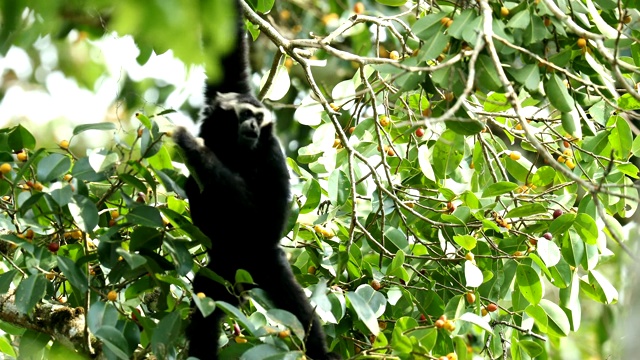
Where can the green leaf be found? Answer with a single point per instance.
(206, 305)
(528, 75)
(599, 288)
(586, 227)
(628, 102)
(84, 213)
(146, 216)
(475, 319)
(434, 47)
(462, 23)
(313, 193)
(20, 138)
(558, 94)
(558, 322)
(103, 126)
(73, 273)
(447, 153)
(571, 123)
(339, 188)
(392, 2)
(562, 223)
(526, 210)
(364, 312)
(375, 300)
(529, 283)
(467, 242)
(487, 76)
(620, 138)
(52, 167)
(6, 280)
(544, 176)
(499, 188)
(236, 314)
(472, 274)
(287, 319)
(114, 340)
(29, 292)
(168, 332)
(133, 260)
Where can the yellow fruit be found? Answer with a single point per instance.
(352, 129)
(626, 19)
(471, 297)
(64, 144)
(484, 312)
(449, 325)
(445, 20)
(394, 55)
(311, 270)
(515, 155)
(390, 152)
(453, 356)
(37, 186)
(50, 275)
(67, 177)
(384, 121)
(22, 156)
(518, 127)
(570, 164)
(329, 18)
(29, 234)
(285, 14)
(112, 295)
(358, 8)
(5, 168)
(547, 21)
(504, 11)
(334, 107)
(439, 323)
(201, 295)
(469, 256)
(582, 42)
(568, 152)
(284, 334)
(561, 159)
(240, 340)
(337, 143)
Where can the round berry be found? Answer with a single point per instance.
(557, 213)
(547, 236)
(53, 247)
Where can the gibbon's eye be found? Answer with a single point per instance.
(245, 114)
(259, 117)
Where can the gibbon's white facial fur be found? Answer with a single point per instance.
(233, 101)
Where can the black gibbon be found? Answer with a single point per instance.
(240, 200)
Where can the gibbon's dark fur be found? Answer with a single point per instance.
(243, 205)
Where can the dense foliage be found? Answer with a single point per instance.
(463, 181)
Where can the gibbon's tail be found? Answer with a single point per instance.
(234, 65)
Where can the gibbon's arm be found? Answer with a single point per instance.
(205, 166)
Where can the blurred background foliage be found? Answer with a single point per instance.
(407, 216)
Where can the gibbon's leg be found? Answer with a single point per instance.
(285, 292)
(203, 333)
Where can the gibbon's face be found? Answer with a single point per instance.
(251, 116)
